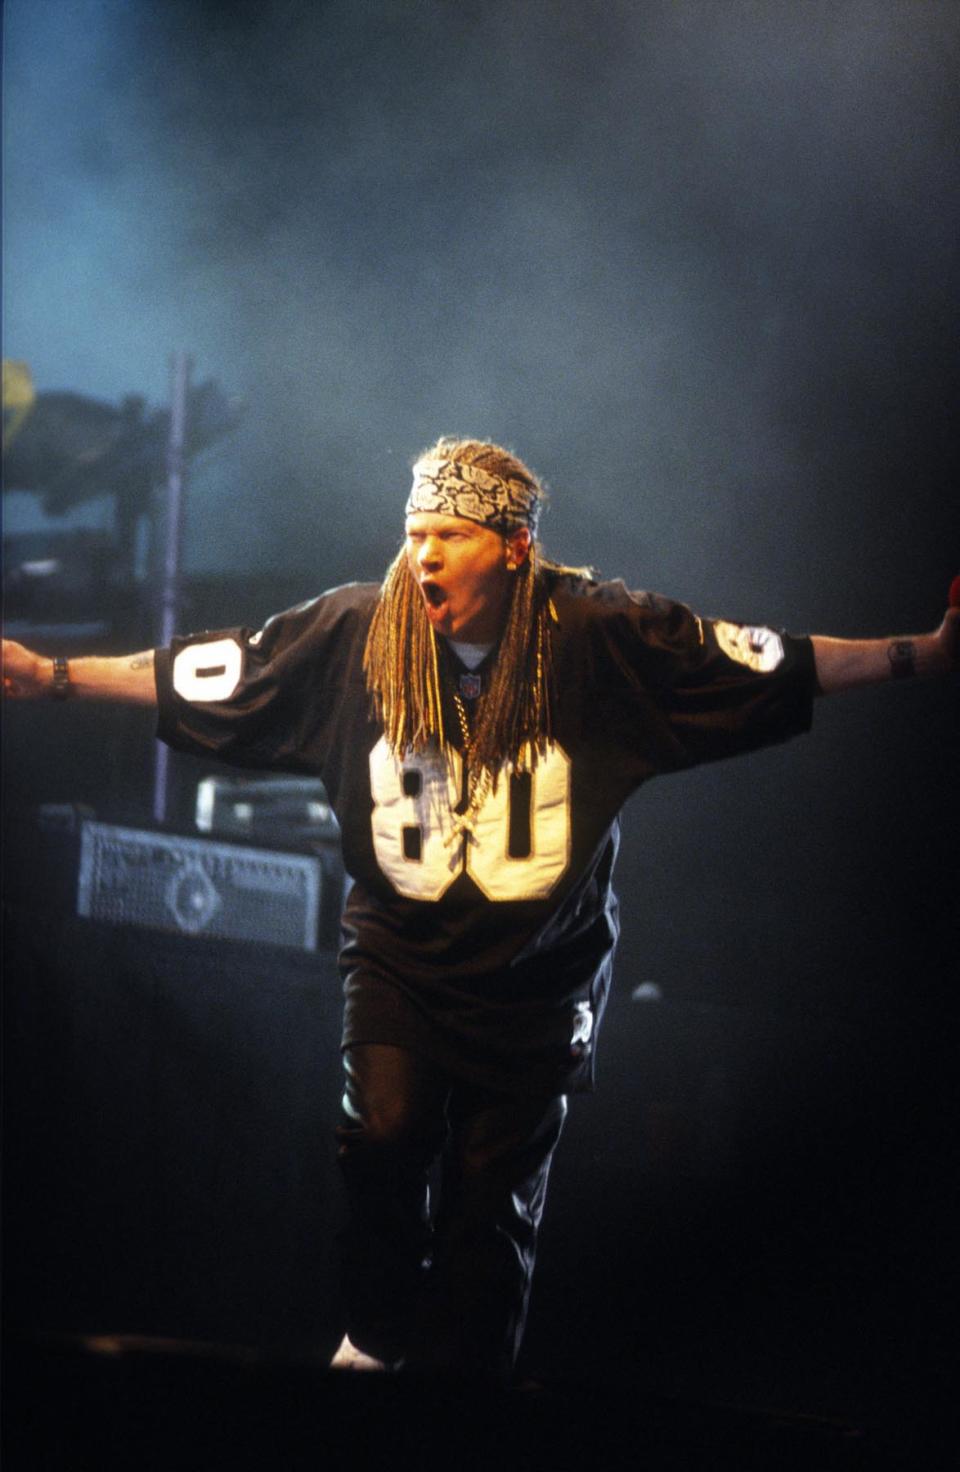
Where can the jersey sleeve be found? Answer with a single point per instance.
(698, 689)
(258, 698)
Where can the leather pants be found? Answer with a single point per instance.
(442, 1290)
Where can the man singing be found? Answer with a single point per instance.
(479, 720)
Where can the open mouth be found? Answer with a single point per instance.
(434, 594)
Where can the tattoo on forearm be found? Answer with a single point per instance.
(142, 661)
(901, 654)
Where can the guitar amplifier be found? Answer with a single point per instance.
(276, 811)
(131, 876)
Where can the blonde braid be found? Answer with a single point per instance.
(401, 664)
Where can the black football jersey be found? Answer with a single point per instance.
(488, 950)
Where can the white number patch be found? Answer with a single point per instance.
(512, 855)
(412, 815)
(490, 863)
(758, 649)
(208, 672)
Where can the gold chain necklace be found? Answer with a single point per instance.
(464, 723)
(478, 782)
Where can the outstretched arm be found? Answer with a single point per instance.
(843, 664)
(127, 678)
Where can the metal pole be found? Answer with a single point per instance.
(170, 570)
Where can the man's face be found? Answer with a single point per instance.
(464, 573)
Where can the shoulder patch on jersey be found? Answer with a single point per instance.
(209, 671)
(757, 648)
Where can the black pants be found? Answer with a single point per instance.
(444, 1290)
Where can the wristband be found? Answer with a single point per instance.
(900, 655)
(61, 677)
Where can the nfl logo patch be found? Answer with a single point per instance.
(470, 686)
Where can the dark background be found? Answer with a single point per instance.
(697, 264)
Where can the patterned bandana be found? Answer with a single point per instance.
(453, 489)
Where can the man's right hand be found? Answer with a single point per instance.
(25, 675)
(127, 678)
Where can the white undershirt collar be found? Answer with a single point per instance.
(471, 655)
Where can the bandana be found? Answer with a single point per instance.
(453, 489)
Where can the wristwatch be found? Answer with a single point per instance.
(61, 677)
